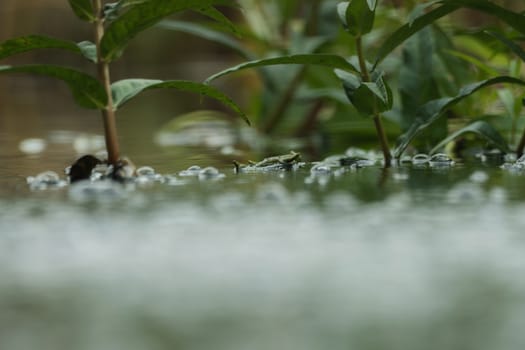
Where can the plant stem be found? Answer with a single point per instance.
(285, 99)
(365, 76)
(108, 113)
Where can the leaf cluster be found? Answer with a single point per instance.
(124, 20)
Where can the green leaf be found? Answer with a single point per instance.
(481, 128)
(88, 50)
(112, 10)
(513, 19)
(357, 16)
(216, 15)
(83, 9)
(34, 42)
(326, 60)
(433, 110)
(124, 90)
(479, 64)
(368, 98)
(87, 91)
(419, 10)
(409, 29)
(204, 32)
(417, 84)
(142, 16)
(509, 43)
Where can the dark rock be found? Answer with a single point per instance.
(82, 168)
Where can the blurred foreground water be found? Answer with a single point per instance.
(416, 257)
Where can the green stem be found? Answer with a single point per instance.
(282, 105)
(380, 130)
(108, 113)
(362, 62)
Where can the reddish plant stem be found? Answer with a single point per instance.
(108, 112)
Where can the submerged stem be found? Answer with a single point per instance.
(365, 76)
(108, 112)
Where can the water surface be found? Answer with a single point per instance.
(408, 258)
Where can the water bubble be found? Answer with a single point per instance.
(193, 170)
(405, 159)
(45, 180)
(320, 169)
(521, 160)
(99, 172)
(420, 159)
(145, 171)
(32, 146)
(510, 157)
(210, 173)
(440, 160)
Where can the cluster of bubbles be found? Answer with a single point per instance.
(516, 166)
(335, 166)
(421, 160)
(203, 174)
(101, 184)
(46, 180)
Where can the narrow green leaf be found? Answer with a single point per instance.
(208, 34)
(513, 19)
(142, 16)
(87, 91)
(481, 128)
(482, 66)
(221, 19)
(34, 42)
(420, 9)
(517, 49)
(83, 9)
(409, 29)
(124, 90)
(433, 110)
(326, 60)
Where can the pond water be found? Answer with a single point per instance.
(414, 257)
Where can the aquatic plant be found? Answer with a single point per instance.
(114, 24)
(288, 104)
(364, 82)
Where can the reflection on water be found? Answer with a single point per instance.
(409, 258)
